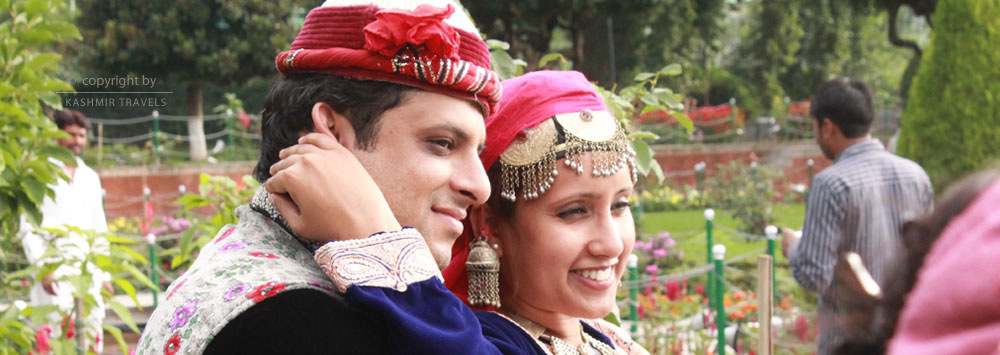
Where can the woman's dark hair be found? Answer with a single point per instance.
(917, 238)
(847, 103)
(68, 118)
(288, 110)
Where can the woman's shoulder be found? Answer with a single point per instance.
(618, 337)
(506, 334)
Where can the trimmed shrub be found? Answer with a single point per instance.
(951, 125)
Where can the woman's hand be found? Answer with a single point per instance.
(324, 193)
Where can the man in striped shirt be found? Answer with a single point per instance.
(858, 204)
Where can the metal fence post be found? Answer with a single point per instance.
(709, 216)
(229, 132)
(720, 313)
(156, 135)
(771, 231)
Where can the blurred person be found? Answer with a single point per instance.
(918, 237)
(77, 202)
(858, 204)
(945, 293)
(545, 254)
(404, 86)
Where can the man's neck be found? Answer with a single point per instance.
(847, 142)
(70, 170)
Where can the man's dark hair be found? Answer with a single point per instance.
(288, 110)
(68, 118)
(847, 103)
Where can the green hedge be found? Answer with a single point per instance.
(951, 125)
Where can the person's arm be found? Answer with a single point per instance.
(813, 257)
(394, 276)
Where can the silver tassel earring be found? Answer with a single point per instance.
(483, 266)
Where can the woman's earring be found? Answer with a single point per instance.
(483, 266)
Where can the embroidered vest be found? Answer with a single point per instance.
(243, 265)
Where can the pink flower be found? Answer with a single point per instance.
(42, 340)
(663, 235)
(652, 269)
(659, 253)
(700, 290)
(395, 28)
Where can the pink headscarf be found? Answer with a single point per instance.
(955, 306)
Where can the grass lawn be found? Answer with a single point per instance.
(688, 229)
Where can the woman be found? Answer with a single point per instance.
(557, 223)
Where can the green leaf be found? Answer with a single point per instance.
(36, 7)
(650, 99)
(650, 108)
(129, 290)
(503, 64)
(643, 156)
(494, 44)
(124, 315)
(138, 257)
(657, 171)
(140, 276)
(684, 120)
(62, 29)
(550, 57)
(644, 76)
(34, 189)
(643, 135)
(43, 60)
(671, 70)
(117, 334)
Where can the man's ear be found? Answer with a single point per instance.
(329, 122)
(482, 219)
(827, 129)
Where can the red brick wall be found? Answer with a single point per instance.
(124, 186)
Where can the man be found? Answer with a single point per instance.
(404, 91)
(858, 204)
(78, 203)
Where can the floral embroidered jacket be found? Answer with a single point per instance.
(248, 270)
(395, 276)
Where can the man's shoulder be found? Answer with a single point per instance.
(243, 266)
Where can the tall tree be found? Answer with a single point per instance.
(770, 47)
(220, 41)
(609, 41)
(952, 120)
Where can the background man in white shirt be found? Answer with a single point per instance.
(77, 203)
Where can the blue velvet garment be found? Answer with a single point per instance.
(428, 319)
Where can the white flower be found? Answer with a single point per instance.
(800, 188)
(20, 305)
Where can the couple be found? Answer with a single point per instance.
(374, 151)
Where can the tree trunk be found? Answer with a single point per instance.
(196, 125)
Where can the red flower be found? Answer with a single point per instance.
(263, 255)
(225, 234)
(394, 28)
(42, 340)
(801, 328)
(173, 345)
(674, 291)
(69, 326)
(266, 290)
(700, 290)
